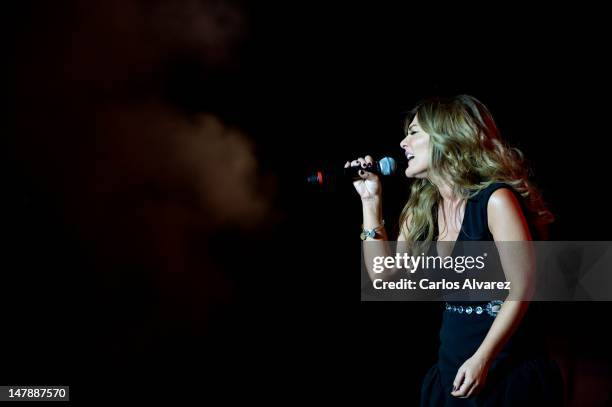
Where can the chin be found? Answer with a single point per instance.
(410, 173)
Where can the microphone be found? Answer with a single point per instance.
(385, 166)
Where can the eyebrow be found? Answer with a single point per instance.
(412, 126)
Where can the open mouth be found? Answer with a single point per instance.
(409, 156)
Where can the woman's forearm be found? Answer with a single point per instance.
(372, 212)
(506, 322)
(518, 262)
(378, 246)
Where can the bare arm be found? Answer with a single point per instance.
(370, 190)
(507, 224)
(372, 217)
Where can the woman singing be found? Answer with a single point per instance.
(469, 185)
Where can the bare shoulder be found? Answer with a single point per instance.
(503, 200)
(506, 220)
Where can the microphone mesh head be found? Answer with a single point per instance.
(387, 166)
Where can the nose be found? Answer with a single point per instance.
(404, 143)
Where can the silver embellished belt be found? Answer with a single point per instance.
(491, 308)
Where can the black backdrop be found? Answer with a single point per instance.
(309, 85)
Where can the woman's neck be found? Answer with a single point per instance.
(446, 192)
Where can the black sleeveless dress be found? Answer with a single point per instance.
(521, 374)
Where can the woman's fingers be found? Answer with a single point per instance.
(472, 389)
(359, 162)
(463, 389)
(466, 389)
(363, 162)
(458, 380)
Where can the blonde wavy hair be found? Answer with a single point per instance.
(468, 152)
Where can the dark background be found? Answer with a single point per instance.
(127, 261)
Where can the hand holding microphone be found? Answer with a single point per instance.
(365, 172)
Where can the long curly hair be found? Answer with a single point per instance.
(467, 151)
